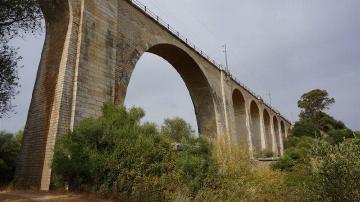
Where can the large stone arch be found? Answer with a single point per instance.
(255, 126)
(241, 131)
(267, 129)
(277, 135)
(192, 75)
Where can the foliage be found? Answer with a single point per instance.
(115, 155)
(317, 124)
(297, 151)
(264, 153)
(335, 171)
(19, 15)
(16, 18)
(357, 134)
(322, 171)
(194, 164)
(237, 178)
(339, 135)
(8, 78)
(314, 102)
(328, 123)
(9, 151)
(329, 129)
(177, 129)
(305, 128)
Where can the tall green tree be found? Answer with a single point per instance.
(313, 103)
(313, 119)
(17, 17)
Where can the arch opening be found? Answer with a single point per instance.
(283, 135)
(195, 81)
(267, 130)
(255, 126)
(277, 134)
(241, 133)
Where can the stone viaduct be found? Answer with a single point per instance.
(90, 51)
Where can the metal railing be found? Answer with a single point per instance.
(186, 41)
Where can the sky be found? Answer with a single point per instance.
(276, 47)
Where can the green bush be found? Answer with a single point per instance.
(337, 136)
(305, 128)
(9, 150)
(297, 152)
(237, 178)
(264, 153)
(357, 134)
(332, 173)
(114, 155)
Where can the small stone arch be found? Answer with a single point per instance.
(255, 126)
(267, 129)
(283, 132)
(239, 106)
(277, 134)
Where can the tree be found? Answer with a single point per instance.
(313, 103)
(17, 17)
(177, 129)
(8, 78)
(9, 151)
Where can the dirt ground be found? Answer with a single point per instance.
(26, 196)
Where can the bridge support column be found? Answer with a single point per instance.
(50, 108)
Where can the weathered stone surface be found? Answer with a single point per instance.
(90, 52)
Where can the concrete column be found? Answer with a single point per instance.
(248, 127)
(274, 146)
(222, 77)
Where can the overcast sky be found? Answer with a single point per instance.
(281, 47)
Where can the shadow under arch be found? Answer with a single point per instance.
(241, 133)
(196, 82)
(255, 126)
(282, 129)
(267, 127)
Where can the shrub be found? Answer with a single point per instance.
(265, 153)
(336, 171)
(305, 128)
(114, 155)
(9, 151)
(357, 134)
(339, 135)
(296, 153)
(236, 177)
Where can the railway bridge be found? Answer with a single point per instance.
(90, 51)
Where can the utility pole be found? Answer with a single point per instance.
(226, 59)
